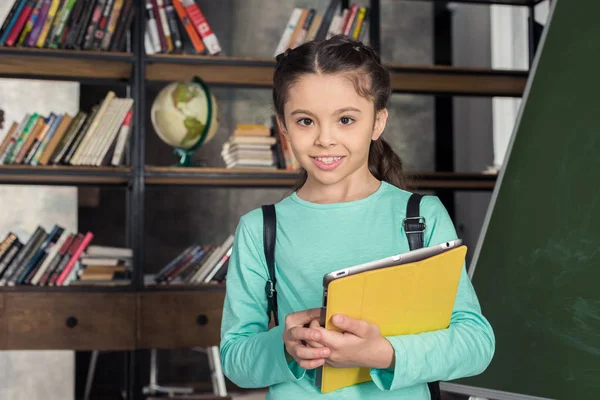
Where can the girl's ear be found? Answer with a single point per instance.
(282, 127)
(380, 121)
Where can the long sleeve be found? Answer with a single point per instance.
(464, 349)
(252, 355)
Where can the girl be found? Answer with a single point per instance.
(330, 98)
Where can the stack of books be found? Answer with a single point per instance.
(59, 258)
(105, 266)
(306, 24)
(251, 146)
(197, 264)
(68, 24)
(98, 137)
(166, 22)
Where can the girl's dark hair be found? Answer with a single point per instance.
(371, 79)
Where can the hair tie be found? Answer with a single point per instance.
(281, 56)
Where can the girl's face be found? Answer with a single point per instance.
(330, 127)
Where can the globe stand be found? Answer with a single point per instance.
(185, 159)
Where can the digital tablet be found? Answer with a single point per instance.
(398, 259)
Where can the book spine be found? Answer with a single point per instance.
(25, 33)
(44, 143)
(172, 20)
(52, 11)
(127, 21)
(48, 122)
(9, 17)
(93, 23)
(72, 25)
(202, 27)
(62, 23)
(102, 25)
(39, 23)
(152, 27)
(165, 25)
(334, 5)
(82, 25)
(70, 139)
(20, 23)
(112, 25)
(76, 254)
(284, 41)
(13, 140)
(10, 157)
(119, 152)
(189, 27)
(11, 255)
(159, 28)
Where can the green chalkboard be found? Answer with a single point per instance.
(536, 269)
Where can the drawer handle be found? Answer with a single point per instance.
(201, 319)
(71, 322)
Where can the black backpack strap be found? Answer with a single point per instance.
(269, 235)
(414, 223)
(414, 226)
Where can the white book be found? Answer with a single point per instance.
(92, 129)
(108, 251)
(111, 135)
(119, 153)
(51, 254)
(103, 128)
(284, 42)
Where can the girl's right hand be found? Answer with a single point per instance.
(299, 330)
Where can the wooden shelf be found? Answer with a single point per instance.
(285, 179)
(252, 72)
(219, 177)
(64, 64)
(63, 175)
(490, 2)
(180, 287)
(452, 180)
(66, 289)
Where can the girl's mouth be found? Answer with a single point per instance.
(327, 163)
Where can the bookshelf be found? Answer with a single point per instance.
(125, 318)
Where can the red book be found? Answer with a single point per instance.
(202, 27)
(76, 254)
(16, 30)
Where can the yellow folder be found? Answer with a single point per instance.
(405, 299)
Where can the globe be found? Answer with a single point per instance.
(185, 116)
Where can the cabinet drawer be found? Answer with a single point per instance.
(181, 319)
(79, 321)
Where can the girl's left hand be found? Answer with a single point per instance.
(360, 344)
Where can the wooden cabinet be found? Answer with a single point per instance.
(180, 319)
(110, 320)
(80, 321)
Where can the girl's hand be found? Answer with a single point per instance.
(296, 335)
(360, 344)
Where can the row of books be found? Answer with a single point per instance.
(306, 24)
(68, 24)
(198, 264)
(258, 146)
(166, 22)
(61, 258)
(98, 137)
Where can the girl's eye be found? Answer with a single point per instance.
(305, 121)
(346, 120)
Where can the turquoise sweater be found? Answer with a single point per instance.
(312, 240)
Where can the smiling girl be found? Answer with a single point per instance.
(348, 208)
